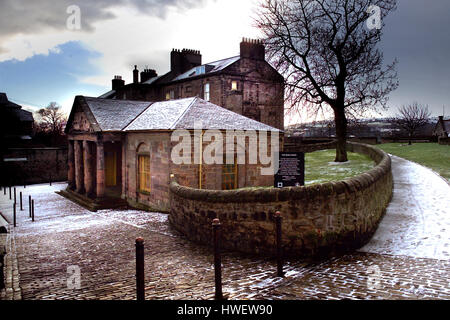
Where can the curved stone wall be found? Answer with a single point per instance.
(319, 219)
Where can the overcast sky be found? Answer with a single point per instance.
(41, 60)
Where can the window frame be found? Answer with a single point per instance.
(141, 174)
(228, 173)
(207, 93)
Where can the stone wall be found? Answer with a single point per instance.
(34, 165)
(159, 147)
(317, 219)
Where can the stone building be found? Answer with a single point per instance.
(442, 128)
(120, 151)
(246, 84)
(16, 124)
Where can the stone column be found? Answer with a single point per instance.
(88, 169)
(124, 161)
(100, 170)
(71, 166)
(79, 171)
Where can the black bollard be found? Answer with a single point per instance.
(140, 281)
(14, 214)
(10, 197)
(32, 210)
(4, 191)
(21, 203)
(278, 220)
(217, 260)
(29, 206)
(15, 195)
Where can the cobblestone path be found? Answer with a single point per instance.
(101, 246)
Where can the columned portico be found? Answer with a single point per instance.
(89, 164)
(71, 166)
(100, 170)
(79, 167)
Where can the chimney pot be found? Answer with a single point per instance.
(135, 74)
(117, 83)
(252, 49)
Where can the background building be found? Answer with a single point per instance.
(246, 84)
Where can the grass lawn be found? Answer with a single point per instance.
(431, 155)
(320, 166)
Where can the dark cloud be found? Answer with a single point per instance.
(417, 34)
(29, 16)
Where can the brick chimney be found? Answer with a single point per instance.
(148, 74)
(117, 82)
(135, 75)
(253, 49)
(183, 60)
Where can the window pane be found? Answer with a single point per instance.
(144, 173)
(206, 96)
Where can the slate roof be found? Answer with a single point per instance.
(108, 95)
(24, 115)
(114, 115)
(214, 117)
(446, 125)
(124, 115)
(15, 109)
(212, 66)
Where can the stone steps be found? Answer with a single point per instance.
(93, 204)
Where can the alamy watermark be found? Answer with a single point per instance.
(374, 21)
(235, 146)
(73, 22)
(74, 278)
(373, 278)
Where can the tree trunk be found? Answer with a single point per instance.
(341, 135)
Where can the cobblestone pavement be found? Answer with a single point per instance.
(101, 246)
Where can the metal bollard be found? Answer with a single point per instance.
(10, 197)
(29, 206)
(140, 280)
(15, 195)
(14, 214)
(4, 191)
(217, 259)
(278, 220)
(21, 203)
(32, 210)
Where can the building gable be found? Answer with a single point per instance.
(81, 118)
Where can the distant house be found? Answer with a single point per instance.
(442, 128)
(245, 84)
(16, 124)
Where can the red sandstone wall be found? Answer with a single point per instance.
(317, 219)
(41, 165)
(159, 147)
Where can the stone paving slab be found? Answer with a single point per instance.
(101, 246)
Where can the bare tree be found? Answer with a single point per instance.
(412, 117)
(51, 118)
(328, 56)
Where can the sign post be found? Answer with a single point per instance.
(291, 172)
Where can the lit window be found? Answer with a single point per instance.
(144, 173)
(199, 70)
(170, 95)
(206, 96)
(229, 175)
(234, 86)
